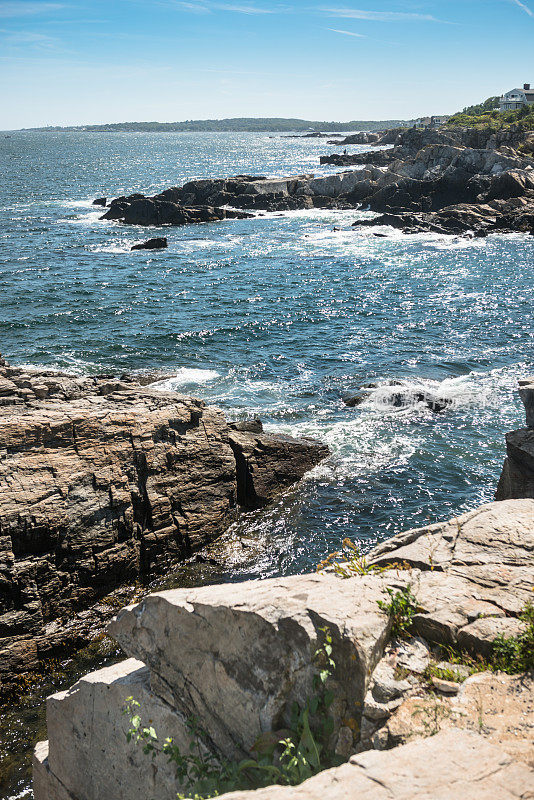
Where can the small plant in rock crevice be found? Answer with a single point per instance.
(401, 607)
(285, 757)
(350, 561)
(431, 715)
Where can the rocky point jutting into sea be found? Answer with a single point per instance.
(107, 481)
(408, 722)
(443, 181)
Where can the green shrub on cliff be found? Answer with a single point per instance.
(402, 607)
(281, 757)
(515, 654)
(486, 116)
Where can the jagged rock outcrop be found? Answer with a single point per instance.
(365, 137)
(427, 175)
(103, 482)
(517, 477)
(237, 656)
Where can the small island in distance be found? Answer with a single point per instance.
(237, 125)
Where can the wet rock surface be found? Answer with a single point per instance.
(105, 482)
(443, 181)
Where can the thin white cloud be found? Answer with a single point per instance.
(381, 16)
(27, 38)
(23, 9)
(207, 7)
(523, 7)
(243, 9)
(346, 33)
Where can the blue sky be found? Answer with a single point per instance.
(88, 61)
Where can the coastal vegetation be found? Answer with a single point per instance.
(487, 115)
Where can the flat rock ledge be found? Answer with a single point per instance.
(237, 656)
(105, 481)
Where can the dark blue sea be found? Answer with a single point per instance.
(278, 317)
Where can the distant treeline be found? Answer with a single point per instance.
(240, 124)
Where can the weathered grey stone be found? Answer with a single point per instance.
(444, 767)
(267, 464)
(237, 656)
(384, 686)
(517, 478)
(526, 393)
(412, 654)
(88, 754)
(477, 565)
(379, 709)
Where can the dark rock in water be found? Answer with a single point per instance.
(157, 243)
(353, 400)
(100, 201)
(248, 426)
(404, 399)
(267, 464)
(517, 479)
(437, 181)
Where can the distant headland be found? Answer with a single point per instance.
(237, 125)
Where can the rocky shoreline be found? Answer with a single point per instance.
(458, 181)
(106, 482)
(415, 714)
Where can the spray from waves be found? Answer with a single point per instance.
(186, 376)
(119, 246)
(384, 432)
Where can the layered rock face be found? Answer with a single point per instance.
(517, 478)
(237, 656)
(103, 482)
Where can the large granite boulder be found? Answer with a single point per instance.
(241, 682)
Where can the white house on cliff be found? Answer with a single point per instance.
(517, 98)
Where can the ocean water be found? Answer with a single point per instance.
(278, 317)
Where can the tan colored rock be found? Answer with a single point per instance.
(450, 765)
(497, 706)
(103, 482)
(445, 687)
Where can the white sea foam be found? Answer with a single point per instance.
(187, 376)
